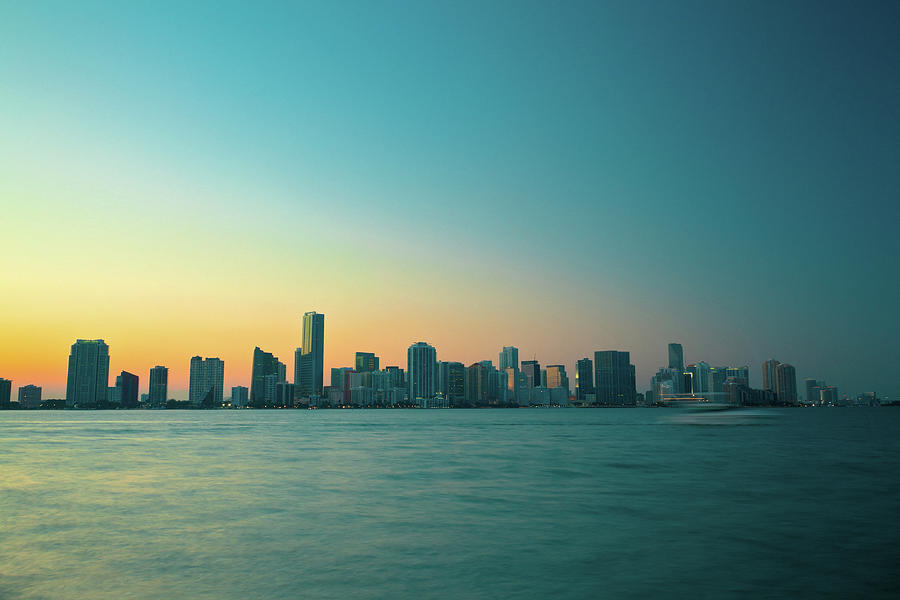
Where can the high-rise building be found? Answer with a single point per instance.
(264, 364)
(29, 396)
(532, 370)
(207, 379)
(614, 378)
(676, 357)
(556, 377)
(298, 372)
(768, 374)
(127, 385)
(397, 375)
(699, 378)
(812, 391)
(828, 396)
(312, 357)
(240, 395)
(5, 392)
(584, 379)
(456, 383)
(509, 358)
(159, 386)
(477, 385)
(365, 361)
(421, 360)
(284, 394)
(88, 376)
(786, 384)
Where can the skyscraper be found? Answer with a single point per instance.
(239, 395)
(786, 384)
(556, 377)
(298, 375)
(159, 386)
(264, 364)
(584, 379)
(207, 378)
(421, 361)
(812, 391)
(676, 357)
(532, 370)
(477, 385)
(29, 396)
(312, 357)
(88, 376)
(365, 361)
(509, 358)
(614, 378)
(768, 374)
(127, 385)
(5, 392)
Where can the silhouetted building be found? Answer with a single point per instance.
(786, 384)
(676, 357)
(265, 364)
(88, 376)
(477, 385)
(29, 396)
(366, 361)
(240, 396)
(159, 386)
(812, 391)
(298, 372)
(421, 360)
(614, 378)
(828, 396)
(127, 385)
(207, 378)
(284, 394)
(5, 392)
(768, 374)
(312, 357)
(532, 370)
(584, 379)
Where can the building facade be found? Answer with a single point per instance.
(88, 376)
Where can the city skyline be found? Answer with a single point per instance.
(179, 180)
(212, 377)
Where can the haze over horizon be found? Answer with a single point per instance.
(189, 178)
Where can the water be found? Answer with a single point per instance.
(448, 504)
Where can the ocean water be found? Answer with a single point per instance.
(549, 503)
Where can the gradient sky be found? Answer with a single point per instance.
(189, 178)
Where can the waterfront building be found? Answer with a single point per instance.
(207, 380)
(5, 392)
(477, 385)
(240, 396)
(786, 384)
(298, 375)
(29, 396)
(88, 376)
(556, 377)
(159, 387)
(128, 389)
(584, 379)
(421, 360)
(615, 378)
(265, 364)
(768, 374)
(312, 357)
(812, 391)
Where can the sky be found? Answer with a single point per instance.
(188, 178)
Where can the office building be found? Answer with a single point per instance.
(768, 374)
(614, 378)
(365, 361)
(207, 380)
(29, 396)
(159, 386)
(298, 374)
(312, 357)
(584, 379)
(532, 370)
(556, 377)
(676, 357)
(421, 360)
(88, 376)
(477, 385)
(509, 358)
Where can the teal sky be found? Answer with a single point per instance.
(600, 175)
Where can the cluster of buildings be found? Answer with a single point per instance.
(606, 379)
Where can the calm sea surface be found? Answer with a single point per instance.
(449, 504)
